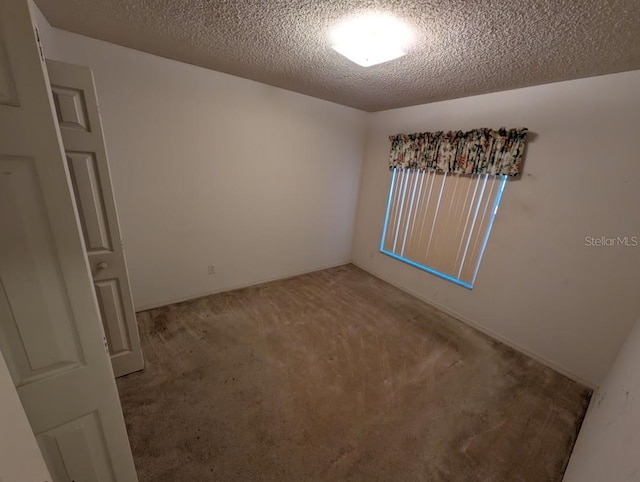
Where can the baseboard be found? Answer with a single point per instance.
(160, 304)
(483, 329)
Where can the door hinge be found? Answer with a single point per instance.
(106, 345)
(39, 44)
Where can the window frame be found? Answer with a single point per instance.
(428, 269)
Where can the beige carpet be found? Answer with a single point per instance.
(336, 375)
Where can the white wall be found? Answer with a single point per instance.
(539, 287)
(608, 446)
(211, 169)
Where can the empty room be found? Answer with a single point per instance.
(319, 241)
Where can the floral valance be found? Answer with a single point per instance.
(480, 151)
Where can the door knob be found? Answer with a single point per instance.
(102, 266)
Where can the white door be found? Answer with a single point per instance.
(50, 330)
(76, 105)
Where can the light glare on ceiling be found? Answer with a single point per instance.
(371, 39)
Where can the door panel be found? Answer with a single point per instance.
(71, 108)
(76, 451)
(8, 94)
(51, 335)
(41, 334)
(77, 112)
(89, 199)
(20, 457)
(113, 316)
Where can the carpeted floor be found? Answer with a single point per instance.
(337, 375)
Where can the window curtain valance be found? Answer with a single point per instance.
(479, 151)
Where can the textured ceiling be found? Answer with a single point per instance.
(462, 47)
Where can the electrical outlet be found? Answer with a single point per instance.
(212, 269)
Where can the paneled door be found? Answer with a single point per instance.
(51, 335)
(78, 116)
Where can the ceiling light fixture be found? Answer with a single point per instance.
(371, 39)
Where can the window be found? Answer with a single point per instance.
(440, 222)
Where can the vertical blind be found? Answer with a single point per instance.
(441, 221)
